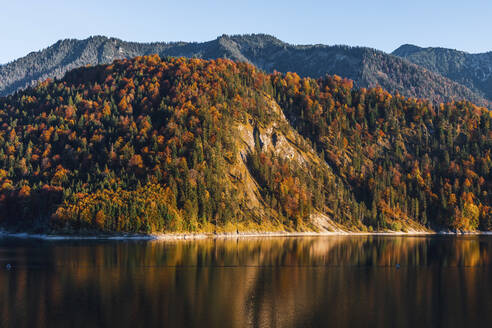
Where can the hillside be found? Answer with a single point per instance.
(471, 70)
(367, 67)
(151, 145)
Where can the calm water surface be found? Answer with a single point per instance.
(269, 282)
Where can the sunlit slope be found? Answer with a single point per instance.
(151, 145)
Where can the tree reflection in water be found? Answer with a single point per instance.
(264, 282)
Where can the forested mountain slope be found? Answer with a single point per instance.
(471, 70)
(151, 145)
(367, 67)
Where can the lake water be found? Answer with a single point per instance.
(441, 281)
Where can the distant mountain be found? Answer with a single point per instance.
(367, 67)
(471, 70)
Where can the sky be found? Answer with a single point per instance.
(31, 25)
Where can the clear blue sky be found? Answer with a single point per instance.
(30, 25)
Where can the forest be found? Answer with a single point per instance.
(150, 145)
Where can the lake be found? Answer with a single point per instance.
(340, 281)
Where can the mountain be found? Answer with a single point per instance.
(472, 70)
(367, 67)
(151, 145)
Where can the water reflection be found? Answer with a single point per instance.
(275, 282)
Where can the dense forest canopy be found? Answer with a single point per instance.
(161, 145)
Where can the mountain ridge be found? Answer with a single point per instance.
(366, 66)
(474, 70)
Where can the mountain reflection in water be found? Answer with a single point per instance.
(353, 281)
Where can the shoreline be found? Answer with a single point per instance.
(245, 235)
